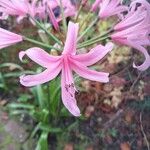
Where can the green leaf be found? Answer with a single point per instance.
(17, 74)
(43, 143)
(18, 112)
(17, 105)
(37, 127)
(40, 96)
(12, 66)
(24, 97)
(39, 93)
(2, 82)
(113, 132)
(50, 129)
(54, 90)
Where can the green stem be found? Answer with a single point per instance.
(84, 19)
(79, 10)
(92, 42)
(40, 43)
(87, 29)
(63, 17)
(98, 37)
(54, 38)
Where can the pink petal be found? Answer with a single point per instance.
(135, 16)
(70, 44)
(146, 63)
(53, 19)
(94, 55)
(8, 38)
(95, 5)
(111, 7)
(14, 7)
(68, 95)
(89, 74)
(40, 57)
(47, 75)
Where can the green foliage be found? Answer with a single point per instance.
(43, 104)
(113, 132)
(2, 82)
(43, 143)
(24, 98)
(142, 105)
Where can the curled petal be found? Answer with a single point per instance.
(94, 55)
(40, 57)
(85, 72)
(45, 76)
(70, 44)
(146, 63)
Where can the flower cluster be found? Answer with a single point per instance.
(132, 29)
(36, 9)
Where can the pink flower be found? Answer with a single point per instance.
(34, 8)
(13, 7)
(8, 38)
(69, 9)
(134, 30)
(66, 64)
(3, 15)
(20, 8)
(54, 11)
(110, 8)
(53, 18)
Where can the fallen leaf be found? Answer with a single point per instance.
(68, 147)
(118, 81)
(108, 87)
(125, 146)
(89, 110)
(128, 117)
(3, 102)
(90, 148)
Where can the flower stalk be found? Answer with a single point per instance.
(87, 29)
(54, 38)
(63, 17)
(107, 33)
(40, 43)
(82, 4)
(88, 43)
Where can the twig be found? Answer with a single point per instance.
(114, 118)
(139, 75)
(142, 130)
(79, 10)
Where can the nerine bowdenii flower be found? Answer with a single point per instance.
(68, 62)
(134, 30)
(20, 8)
(108, 8)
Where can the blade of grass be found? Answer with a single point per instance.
(40, 43)
(54, 38)
(43, 142)
(63, 16)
